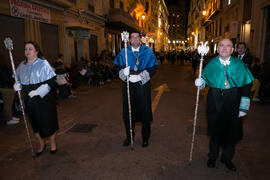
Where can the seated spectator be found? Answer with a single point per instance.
(7, 92)
(255, 70)
(264, 77)
(62, 81)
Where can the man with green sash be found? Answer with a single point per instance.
(228, 100)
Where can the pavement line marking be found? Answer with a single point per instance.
(160, 90)
(63, 132)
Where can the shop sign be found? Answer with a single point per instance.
(22, 9)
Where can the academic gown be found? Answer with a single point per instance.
(140, 94)
(223, 102)
(41, 111)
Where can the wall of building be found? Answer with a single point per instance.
(258, 27)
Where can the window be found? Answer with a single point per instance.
(220, 26)
(227, 28)
(72, 1)
(121, 5)
(91, 7)
(216, 29)
(111, 3)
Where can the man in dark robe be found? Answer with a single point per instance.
(142, 65)
(228, 100)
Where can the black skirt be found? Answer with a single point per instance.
(42, 112)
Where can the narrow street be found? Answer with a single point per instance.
(92, 131)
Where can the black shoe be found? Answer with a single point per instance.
(229, 165)
(126, 142)
(145, 143)
(211, 163)
(53, 151)
(39, 153)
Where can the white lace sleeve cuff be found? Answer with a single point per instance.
(145, 77)
(122, 75)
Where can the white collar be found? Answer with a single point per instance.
(135, 49)
(225, 62)
(242, 55)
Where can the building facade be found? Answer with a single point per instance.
(73, 28)
(81, 28)
(240, 20)
(177, 30)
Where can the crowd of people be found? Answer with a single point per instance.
(96, 71)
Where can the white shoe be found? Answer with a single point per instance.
(72, 96)
(255, 99)
(15, 118)
(12, 122)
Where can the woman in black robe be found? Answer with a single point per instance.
(37, 81)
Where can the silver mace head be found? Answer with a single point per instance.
(125, 36)
(8, 43)
(203, 48)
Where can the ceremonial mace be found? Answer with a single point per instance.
(202, 50)
(9, 45)
(125, 36)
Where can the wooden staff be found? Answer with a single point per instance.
(202, 50)
(125, 36)
(9, 45)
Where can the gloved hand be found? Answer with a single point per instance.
(17, 86)
(33, 93)
(199, 82)
(135, 78)
(244, 106)
(127, 71)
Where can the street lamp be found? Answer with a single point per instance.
(143, 17)
(204, 12)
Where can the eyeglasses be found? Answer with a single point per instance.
(134, 37)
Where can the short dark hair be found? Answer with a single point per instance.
(60, 56)
(139, 32)
(37, 48)
(242, 43)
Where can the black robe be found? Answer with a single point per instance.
(222, 113)
(140, 98)
(42, 112)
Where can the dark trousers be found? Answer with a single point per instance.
(228, 150)
(146, 129)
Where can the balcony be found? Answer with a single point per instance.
(64, 3)
(121, 20)
(215, 8)
(54, 4)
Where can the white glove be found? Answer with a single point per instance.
(127, 71)
(135, 78)
(17, 86)
(33, 93)
(199, 82)
(241, 114)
